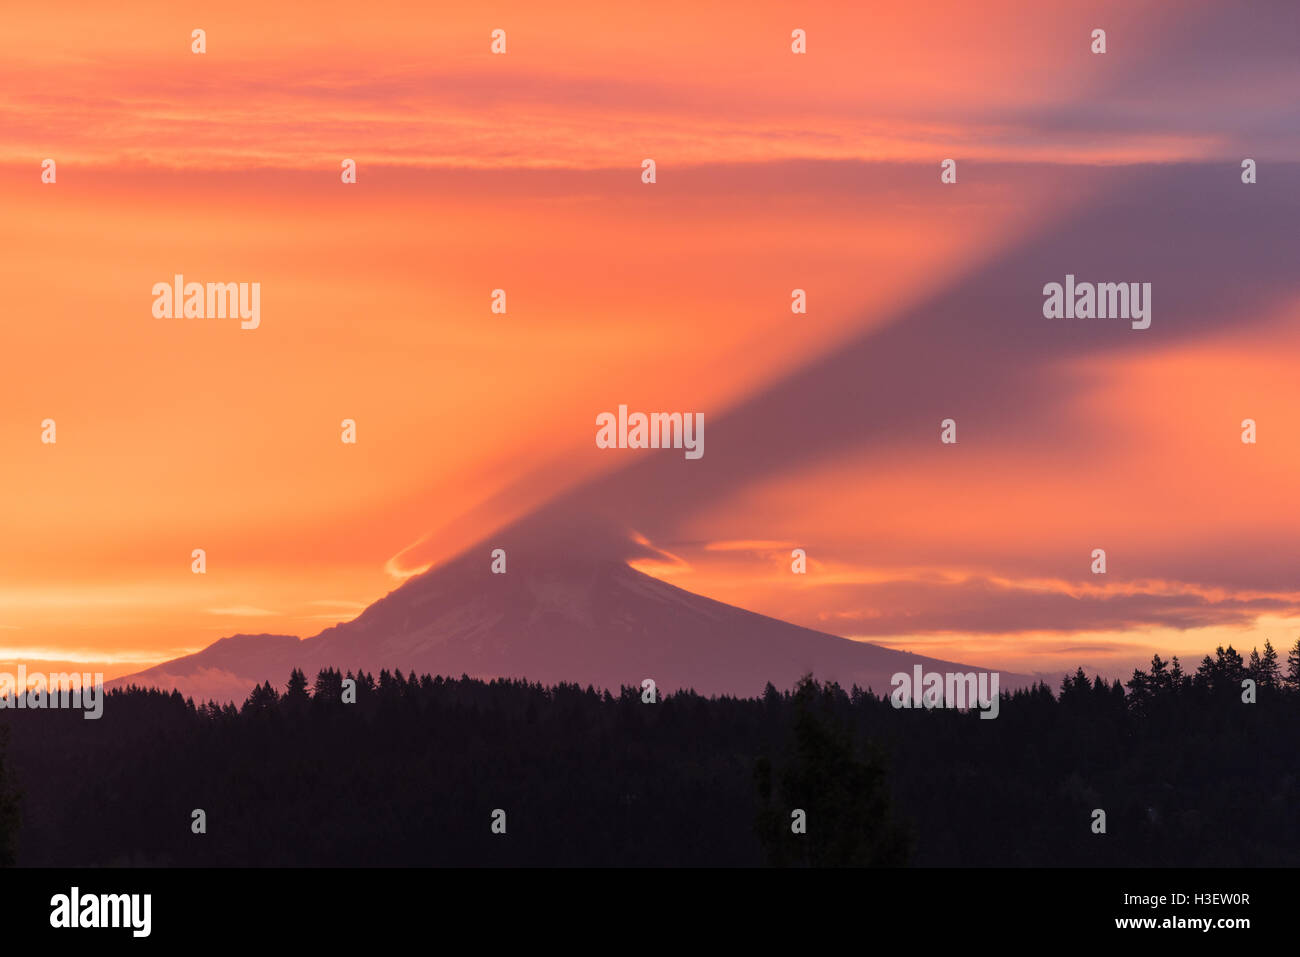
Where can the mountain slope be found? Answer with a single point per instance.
(586, 620)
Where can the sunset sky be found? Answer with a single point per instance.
(775, 171)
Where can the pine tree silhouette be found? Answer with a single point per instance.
(844, 795)
(1292, 680)
(1270, 673)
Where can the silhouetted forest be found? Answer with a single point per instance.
(411, 773)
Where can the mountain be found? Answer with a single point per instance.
(591, 620)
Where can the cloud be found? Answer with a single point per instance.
(1160, 93)
(978, 343)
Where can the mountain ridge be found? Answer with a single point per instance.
(590, 620)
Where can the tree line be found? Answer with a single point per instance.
(1187, 771)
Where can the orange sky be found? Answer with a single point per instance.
(522, 172)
